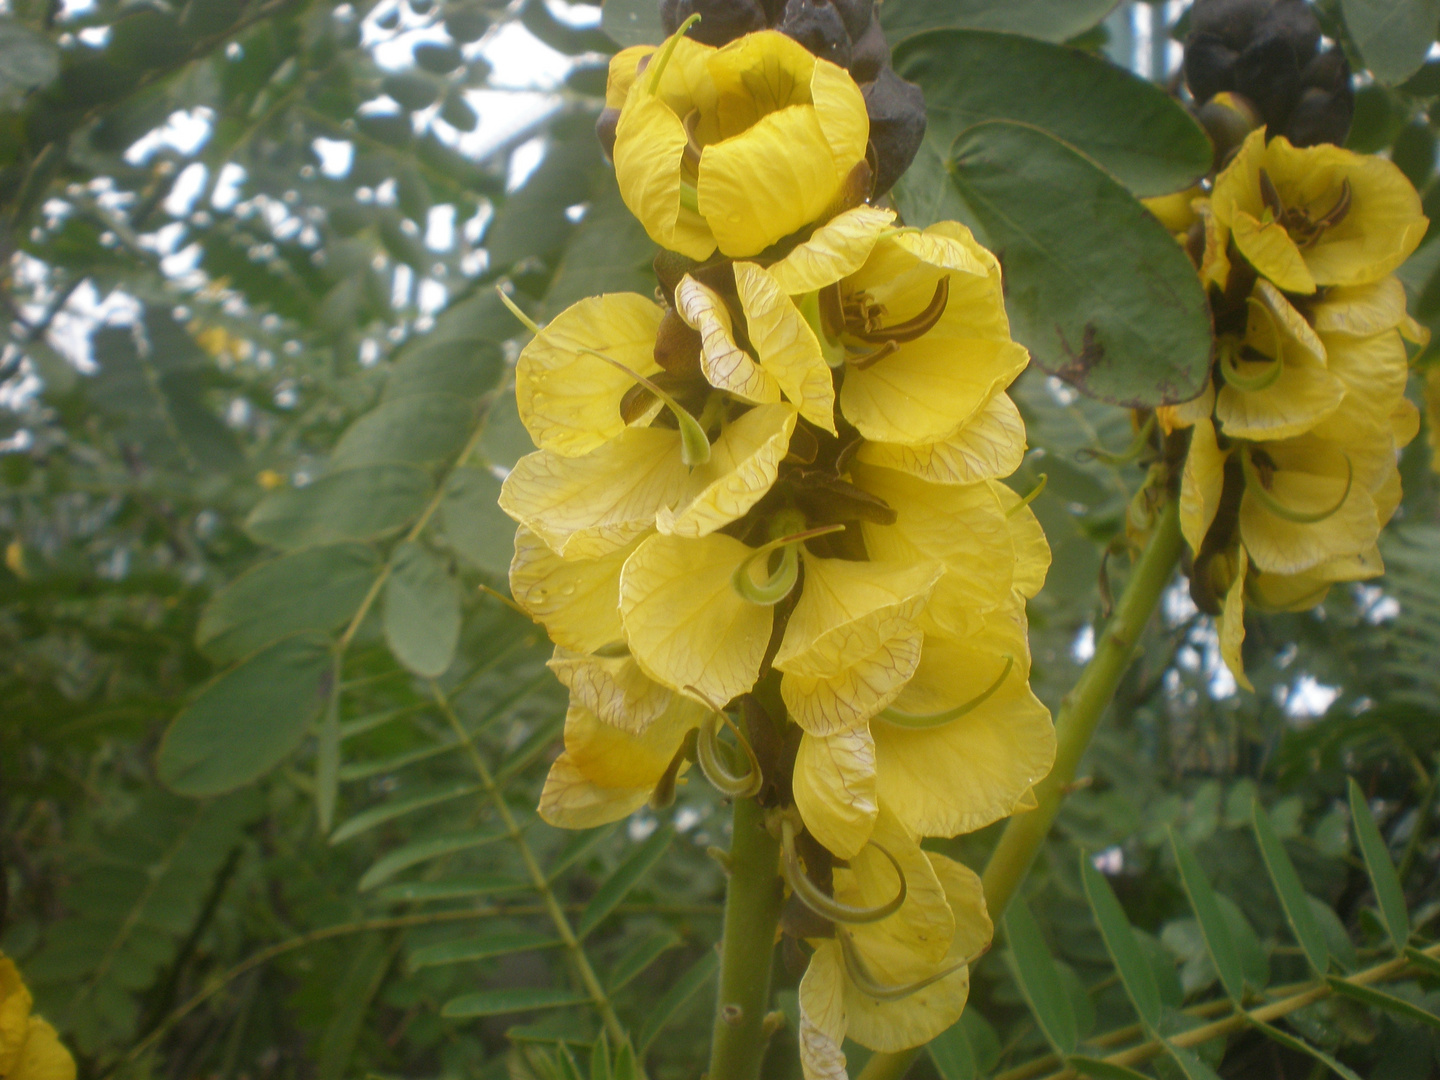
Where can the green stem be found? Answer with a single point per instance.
(1075, 725)
(752, 912)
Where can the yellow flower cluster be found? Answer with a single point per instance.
(770, 503)
(1291, 472)
(29, 1047)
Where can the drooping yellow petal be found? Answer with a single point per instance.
(1270, 250)
(787, 347)
(974, 770)
(991, 444)
(963, 527)
(928, 387)
(725, 365)
(1360, 310)
(43, 1056)
(571, 800)
(913, 942)
(686, 625)
(834, 785)
(744, 462)
(966, 896)
(577, 600)
(834, 251)
(1287, 592)
(956, 670)
(1187, 413)
(1374, 371)
(852, 640)
(650, 143)
(1032, 550)
(569, 400)
(1215, 261)
(822, 1015)
(612, 687)
(621, 73)
(590, 506)
(1231, 625)
(15, 1004)
(1201, 484)
(1175, 211)
(840, 108)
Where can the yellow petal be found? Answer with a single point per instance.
(766, 182)
(1374, 371)
(956, 670)
(571, 800)
(839, 105)
(1287, 592)
(834, 785)
(962, 776)
(966, 896)
(569, 400)
(43, 1057)
(834, 251)
(1310, 477)
(577, 600)
(621, 74)
(1176, 210)
(963, 527)
(649, 151)
(1187, 413)
(726, 366)
(686, 625)
(1231, 625)
(822, 1015)
(590, 506)
(15, 1004)
(1215, 261)
(744, 462)
(1201, 484)
(755, 75)
(1271, 251)
(991, 444)
(612, 687)
(928, 387)
(912, 943)
(851, 641)
(1361, 310)
(1032, 550)
(787, 347)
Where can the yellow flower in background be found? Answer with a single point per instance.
(735, 147)
(1176, 211)
(899, 982)
(1316, 216)
(29, 1047)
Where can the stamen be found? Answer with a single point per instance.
(1129, 454)
(664, 793)
(921, 324)
(1270, 197)
(1340, 210)
(666, 51)
(868, 985)
(1028, 499)
(860, 363)
(832, 310)
(1257, 485)
(692, 147)
(919, 722)
(827, 906)
(709, 753)
(778, 585)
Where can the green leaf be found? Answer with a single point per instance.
(950, 1051)
(1190, 1064)
(624, 878)
(1127, 125)
(247, 720)
(1130, 963)
(1213, 927)
(465, 888)
(28, 61)
(632, 22)
(1383, 878)
(511, 1000)
(702, 973)
(1300, 1046)
(1393, 36)
(475, 527)
(479, 947)
(1097, 290)
(317, 588)
(351, 1000)
(412, 430)
(1039, 979)
(1423, 961)
(1048, 20)
(399, 807)
(1396, 1006)
(639, 957)
(600, 1059)
(353, 504)
(1253, 958)
(1337, 940)
(610, 252)
(1099, 1069)
(327, 755)
(1292, 895)
(422, 611)
(419, 851)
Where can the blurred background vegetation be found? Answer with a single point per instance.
(254, 419)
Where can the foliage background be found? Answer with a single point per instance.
(249, 251)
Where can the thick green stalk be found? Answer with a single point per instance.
(752, 912)
(1075, 725)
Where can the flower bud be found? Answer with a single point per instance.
(818, 26)
(897, 125)
(721, 21)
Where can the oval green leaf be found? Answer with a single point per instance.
(1213, 927)
(1293, 900)
(475, 527)
(317, 588)
(248, 720)
(1388, 893)
(1126, 124)
(1097, 290)
(1393, 36)
(1130, 963)
(511, 1000)
(1048, 20)
(354, 504)
(412, 430)
(422, 611)
(1039, 979)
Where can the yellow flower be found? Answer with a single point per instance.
(29, 1047)
(1175, 211)
(857, 981)
(1274, 380)
(1316, 216)
(1432, 413)
(606, 774)
(736, 147)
